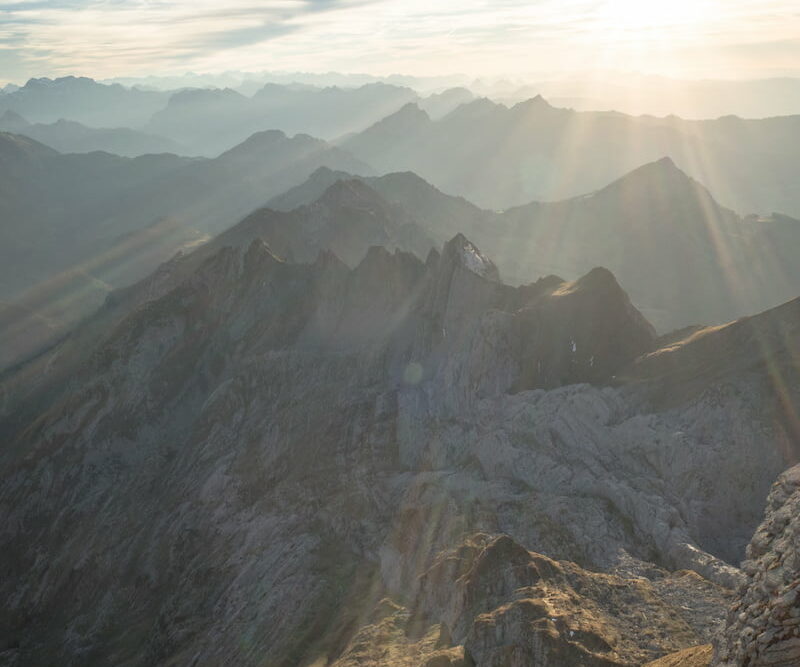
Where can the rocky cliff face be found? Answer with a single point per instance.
(763, 624)
(292, 464)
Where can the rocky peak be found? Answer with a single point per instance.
(511, 606)
(461, 252)
(258, 256)
(581, 331)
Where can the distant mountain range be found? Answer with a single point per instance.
(496, 156)
(67, 136)
(499, 157)
(197, 121)
(211, 121)
(83, 100)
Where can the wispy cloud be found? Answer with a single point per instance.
(482, 37)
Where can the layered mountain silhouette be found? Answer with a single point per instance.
(70, 137)
(210, 121)
(342, 461)
(685, 258)
(688, 259)
(498, 156)
(83, 100)
(68, 112)
(79, 225)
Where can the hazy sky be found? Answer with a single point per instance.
(682, 38)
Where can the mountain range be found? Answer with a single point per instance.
(74, 114)
(249, 459)
(377, 372)
(67, 136)
(79, 225)
(495, 155)
(499, 157)
(84, 100)
(641, 226)
(211, 121)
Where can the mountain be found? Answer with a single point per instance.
(212, 120)
(685, 258)
(54, 205)
(437, 105)
(71, 137)
(83, 100)
(13, 122)
(500, 156)
(348, 219)
(267, 462)
(80, 225)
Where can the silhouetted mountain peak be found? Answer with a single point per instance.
(12, 121)
(269, 140)
(408, 113)
(205, 95)
(474, 110)
(662, 176)
(599, 278)
(352, 193)
(537, 103)
(16, 147)
(63, 81)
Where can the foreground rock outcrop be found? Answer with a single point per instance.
(510, 606)
(763, 625)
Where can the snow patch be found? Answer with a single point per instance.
(474, 261)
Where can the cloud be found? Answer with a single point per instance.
(477, 37)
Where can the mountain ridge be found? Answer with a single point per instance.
(641, 226)
(380, 420)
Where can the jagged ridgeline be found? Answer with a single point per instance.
(303, 443)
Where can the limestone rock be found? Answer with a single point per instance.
(763, 625)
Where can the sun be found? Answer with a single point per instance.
(655, 14)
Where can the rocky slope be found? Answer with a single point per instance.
(302, 463)
(763, 624)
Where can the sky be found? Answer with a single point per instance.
(718, 39)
